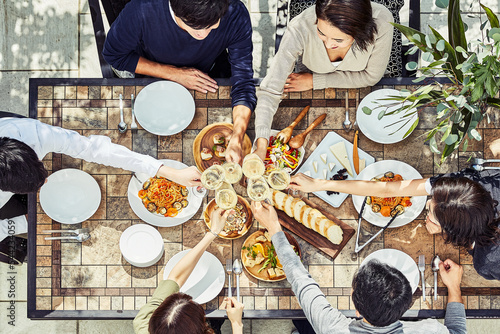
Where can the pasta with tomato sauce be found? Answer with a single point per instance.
(163, 196)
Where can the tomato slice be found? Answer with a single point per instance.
(172, 212)
(142, 193)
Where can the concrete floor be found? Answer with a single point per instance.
(54, 38)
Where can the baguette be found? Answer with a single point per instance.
(307, 216)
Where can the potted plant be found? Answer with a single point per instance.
(472, 69)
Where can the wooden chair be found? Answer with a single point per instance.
(288, 9)
(112, 9)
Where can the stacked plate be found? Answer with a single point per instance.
(141, 245)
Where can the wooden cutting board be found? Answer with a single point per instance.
(314, 238)
(205, 139)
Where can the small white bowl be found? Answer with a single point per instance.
(141, 245)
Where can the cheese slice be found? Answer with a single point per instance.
(340, 153)
(325, 174)
(324, 156)
(331, 165)
(362, 164)
(315, 166)
(308, 173)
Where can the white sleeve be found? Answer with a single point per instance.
(4, 197)
(16, 225)
(428, 186)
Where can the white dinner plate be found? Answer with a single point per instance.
(399, 260)
(164, 108)
(70, 196)
(207, 279)
(378, 169)
(330, 139)
(380, 131)
(156, 219)
(141, 245)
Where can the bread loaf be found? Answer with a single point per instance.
(307, 216)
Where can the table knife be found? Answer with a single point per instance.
(355, 156)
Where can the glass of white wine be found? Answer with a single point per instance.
(253, 165)
(278, 179)
(213, 177)
(257, 188)
(233, 172)
(225, 196)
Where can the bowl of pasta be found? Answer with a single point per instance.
(162, 202)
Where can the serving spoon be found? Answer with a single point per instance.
(285, 134)
(298, 140)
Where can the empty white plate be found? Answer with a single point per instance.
(70, 196)
(141, 245)
(399, 260)
(207, 279)
(164, 108)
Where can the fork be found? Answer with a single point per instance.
(421, 267)
(229, 271)
(133, 125)
(77, 231)
(479, 161)
(347, 125)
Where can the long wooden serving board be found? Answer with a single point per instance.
(314, 238)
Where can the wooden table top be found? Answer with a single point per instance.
(92, 280)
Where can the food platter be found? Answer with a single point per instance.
(164, 108)
(156, 219)
(205, 140)
(380, 130)
(252, 240)
(207, 279)
(330, 139)
(376, 170)
(399, 260)
(70, 196)
(245, 208)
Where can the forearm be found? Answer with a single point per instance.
(154, 69)
(374, 188)
(241, 117)
(454, 295)
(237, 327)
(455, 319)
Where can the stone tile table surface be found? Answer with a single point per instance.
(92, 280)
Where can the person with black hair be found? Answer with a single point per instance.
(380, 293)
(463, 208)
(24, 142)
(169, 311)
(336, 43)
(189, 42)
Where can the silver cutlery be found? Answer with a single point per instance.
(435, 268)
(77, 231)
(347, 125)
(122, 126)
(480, 168)
(421, 267)
(80, 237)
(479, 161)
(237, 271)
(229, 271)
(133, 125)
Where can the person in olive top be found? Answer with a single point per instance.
(170, 311)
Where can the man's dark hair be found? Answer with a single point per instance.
(381, 293)
(352, 17)
(21, 171)
(200, 14)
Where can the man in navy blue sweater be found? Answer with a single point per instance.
(180, 40)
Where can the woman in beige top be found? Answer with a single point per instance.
(344, 43)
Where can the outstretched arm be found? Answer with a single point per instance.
(451, 274)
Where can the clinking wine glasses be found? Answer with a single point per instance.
(253, 166)
(213, 177)
(233, 172)
(278, 179)
(225, 196)
(257, 188)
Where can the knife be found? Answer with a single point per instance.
(355, 156)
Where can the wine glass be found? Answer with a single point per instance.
(253, 165)
(257, 189)
(233, 172)
(213, 177)
(225, 196)
(278, 179)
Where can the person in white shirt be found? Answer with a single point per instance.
(24, 142)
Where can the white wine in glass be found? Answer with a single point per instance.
(226, 197)
(233, 172)
(278, 179)
(212, 177)
(257, 188)
(253, 165)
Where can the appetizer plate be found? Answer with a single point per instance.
(141, 245)
(378, 169)
(263, 275)
(207, 279)
(164, 108)
(330, 139)
(204, 139)
(399, 260)
(156, 219)
(381, 131)
(301, 149)
(232, 235)
(70, 196)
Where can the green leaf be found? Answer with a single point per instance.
(442, 3)
(475, 134)
(428, 57)
(381, 114)
(493, 101)
(491, 17)
(460, 49)
(466, 144)
(433, 146)
(417, 37)
(411, 66)
(410, 130)
(456, 29)
(451, 139)
(419, 79)
(440, 45)
(440, 107)
(367, 110)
